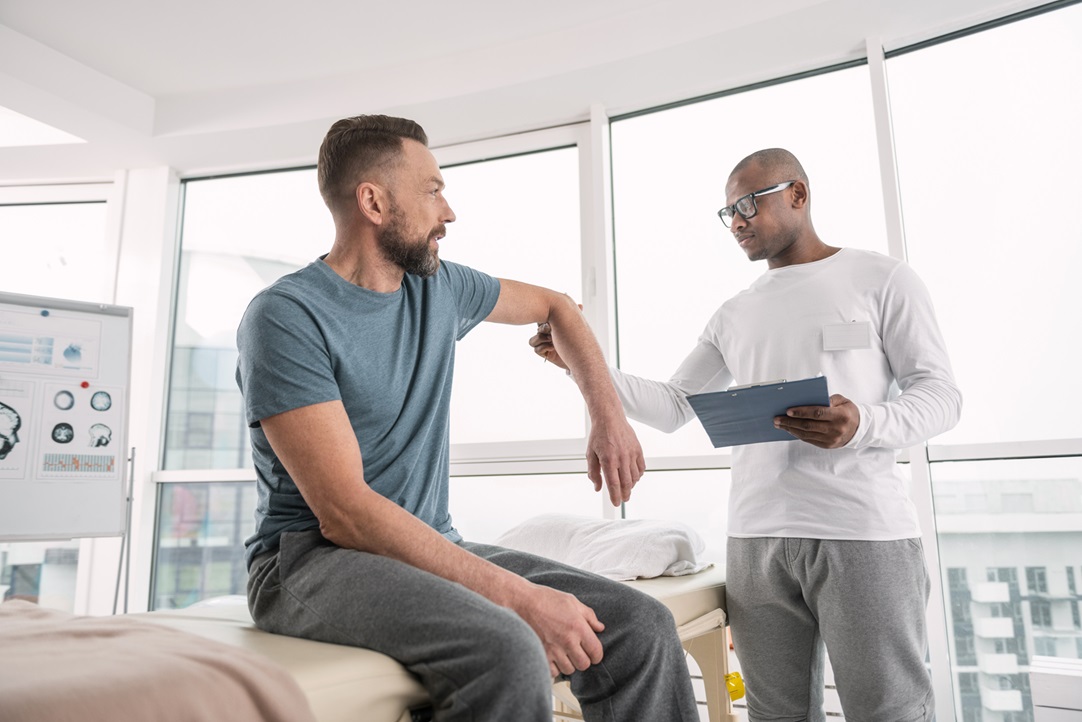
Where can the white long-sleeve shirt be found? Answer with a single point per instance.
(774, 330)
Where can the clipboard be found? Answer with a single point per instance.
(745, 415)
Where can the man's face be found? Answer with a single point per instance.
(9, 427)
(418, 212)
(769, 232)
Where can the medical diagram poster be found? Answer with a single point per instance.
(64, 384)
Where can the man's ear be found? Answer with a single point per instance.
(372, 202)
(800, 194)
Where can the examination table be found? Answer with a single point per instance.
(349, 684)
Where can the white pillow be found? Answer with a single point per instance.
(619, 549)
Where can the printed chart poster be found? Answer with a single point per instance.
(65, 371)
(16, 411)
(78, 436)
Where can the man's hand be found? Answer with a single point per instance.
(614, 456)
(543, 346)
(828, 427)
(567, 628)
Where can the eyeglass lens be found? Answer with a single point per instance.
(745, 206)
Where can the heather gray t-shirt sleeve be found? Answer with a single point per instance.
(284, 363)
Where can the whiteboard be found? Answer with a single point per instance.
(65, 378)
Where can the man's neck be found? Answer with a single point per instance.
(805, 251)
(359, 261)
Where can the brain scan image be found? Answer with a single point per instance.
(63, 400)
(73, 353)
(100, 435)
(10, 422)
(63, 433)
(101, 401)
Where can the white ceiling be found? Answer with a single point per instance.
(212, 85)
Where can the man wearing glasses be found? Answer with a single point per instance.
(824, 550)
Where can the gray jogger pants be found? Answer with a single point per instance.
(864, 601)
(478, 661)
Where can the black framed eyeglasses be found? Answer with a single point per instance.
(746, 206)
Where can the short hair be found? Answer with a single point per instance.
(775, 159)
(354, 148)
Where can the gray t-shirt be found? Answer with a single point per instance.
(313, 337)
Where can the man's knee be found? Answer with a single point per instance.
(515, 655)
(644, 618)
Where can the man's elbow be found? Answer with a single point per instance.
(561, 306)
(956, 406)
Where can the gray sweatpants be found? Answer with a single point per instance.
(478, 661)
(865, 600)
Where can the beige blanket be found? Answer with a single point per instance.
(56, 667)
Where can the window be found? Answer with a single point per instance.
(981, 151)
(200, 541)
(58, 250)
(1041, 613)
(669, 173)
(956, 578)
(517, 218)
(662, 494)
(1044, 646)
(54, 244)
(484, 507)
(964, 650)
(1037, 579)
(1037, 541)
(240, 234)
(968, 682)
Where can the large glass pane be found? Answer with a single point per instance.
(988, 149)
(518, 218)
(40, 572)
(698, 498)
(1010, 549)
(484, 507)
(58, 250)
(239, 235)
(675, 261)
(199, 544)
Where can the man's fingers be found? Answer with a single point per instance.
(627, 481)
(808, 412)
(595, 624)
(593, 470)
(591, 647)
(564, 664)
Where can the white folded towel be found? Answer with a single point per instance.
(619, 549)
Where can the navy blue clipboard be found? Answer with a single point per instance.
(746, 415)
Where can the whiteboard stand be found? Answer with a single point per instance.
(125, 539)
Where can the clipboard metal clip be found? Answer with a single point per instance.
(751, 386)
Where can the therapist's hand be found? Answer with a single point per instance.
(828, 427)
(543, 346)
